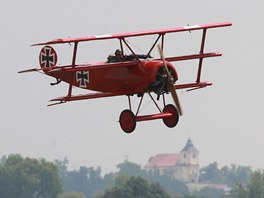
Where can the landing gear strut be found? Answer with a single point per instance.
(128, 119)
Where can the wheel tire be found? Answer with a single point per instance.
(127, 121)
(173, 120)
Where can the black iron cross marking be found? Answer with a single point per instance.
(82, 77)
(48, 58)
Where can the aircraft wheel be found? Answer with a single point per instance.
(173, 120)
(127, 121)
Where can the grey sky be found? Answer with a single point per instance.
(224, 121)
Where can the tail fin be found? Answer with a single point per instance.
(47, 58)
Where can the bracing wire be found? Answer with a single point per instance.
(135, 46)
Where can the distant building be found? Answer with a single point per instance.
(184, 165)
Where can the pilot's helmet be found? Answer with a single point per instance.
(118, 52)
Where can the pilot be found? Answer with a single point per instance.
(118, 57)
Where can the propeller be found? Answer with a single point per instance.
(170, 82)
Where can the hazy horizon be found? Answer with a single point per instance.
(224, 121)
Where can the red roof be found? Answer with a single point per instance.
(163, 160)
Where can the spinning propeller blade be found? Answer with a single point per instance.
(170, 83)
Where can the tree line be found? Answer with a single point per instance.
(38, 178)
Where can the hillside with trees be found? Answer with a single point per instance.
(38, 178)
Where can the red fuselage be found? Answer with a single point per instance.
(133, 78)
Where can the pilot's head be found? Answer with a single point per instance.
(118, 53)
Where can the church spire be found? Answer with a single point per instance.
(189, 146)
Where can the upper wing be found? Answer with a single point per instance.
(135, 34)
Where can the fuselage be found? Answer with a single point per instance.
(134, 78)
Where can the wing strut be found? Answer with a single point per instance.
(201, 59)
(154, 44)
(162, 42)
(73, 66)
(74, 54)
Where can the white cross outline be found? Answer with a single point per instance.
(83, 80)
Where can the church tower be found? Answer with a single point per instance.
(189, 163)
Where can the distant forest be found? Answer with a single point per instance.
(38, 178)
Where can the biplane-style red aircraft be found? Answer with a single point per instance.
(127, 75)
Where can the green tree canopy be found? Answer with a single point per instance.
(254, 188)
(130, 168)
(135, 187)
(26, 177)
(211, 173)
(166, 180)
(238, 190)
(72, 195)
(87, 181)
(256, 185)
(226, 175)
(210, 192)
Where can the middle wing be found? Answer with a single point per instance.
(82, 67)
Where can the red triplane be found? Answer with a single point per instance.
(127, 75)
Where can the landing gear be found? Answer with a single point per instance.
(173, 120)
(128, 119)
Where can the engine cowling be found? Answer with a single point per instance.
(159, 86)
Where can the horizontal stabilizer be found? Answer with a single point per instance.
(29, 70)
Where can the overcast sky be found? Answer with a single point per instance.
(225, 121)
